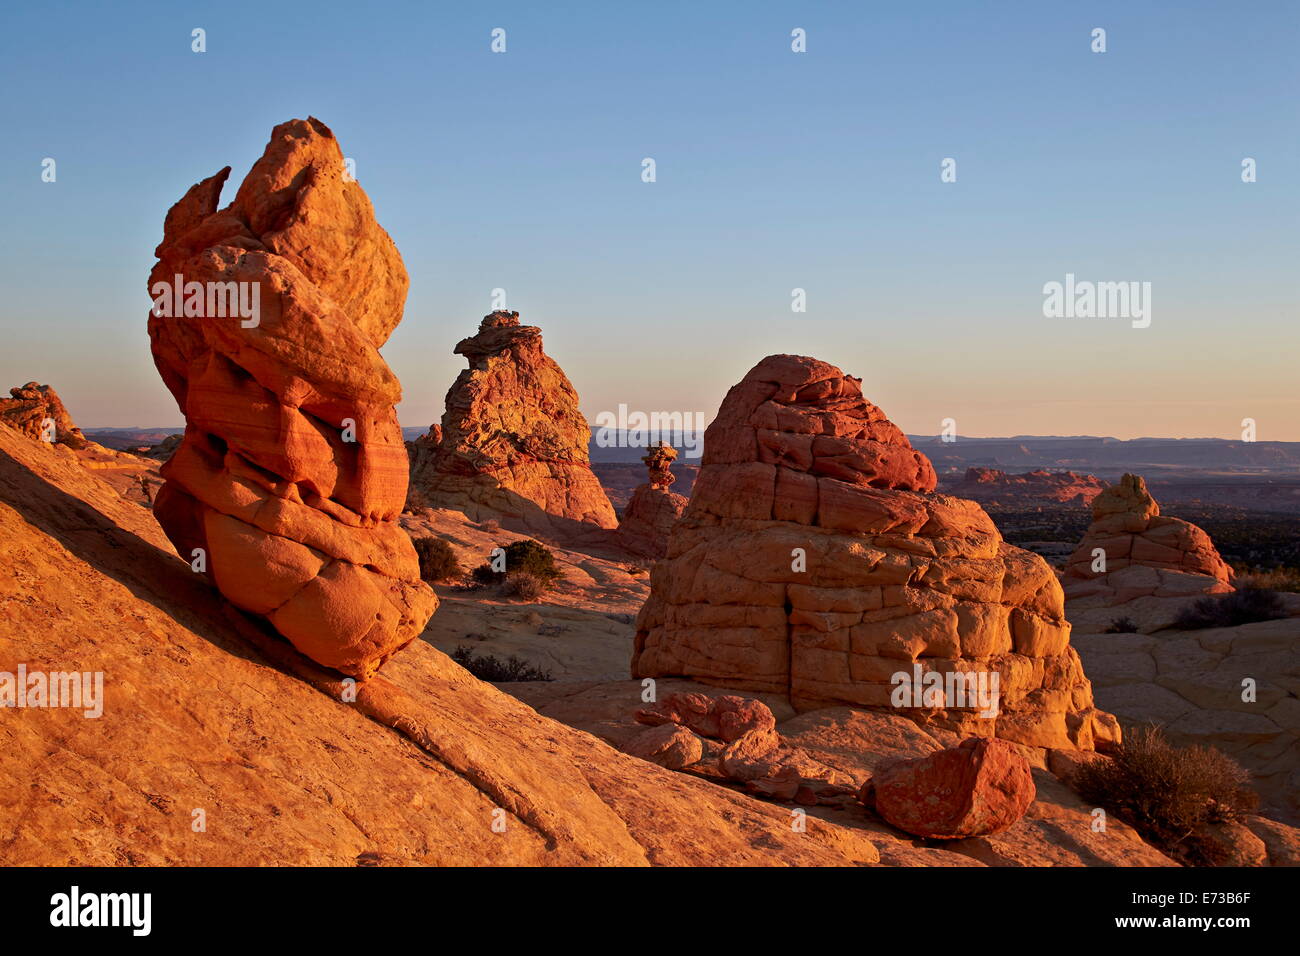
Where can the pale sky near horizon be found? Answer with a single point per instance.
(775, 170)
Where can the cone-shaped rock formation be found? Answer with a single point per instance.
(514, 444)
(1134, 550)
(813, 561)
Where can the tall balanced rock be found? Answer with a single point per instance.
(813, 561)
(653, 509)
(292, 471)
(37, 412)
(1134, 551)
(514, 444)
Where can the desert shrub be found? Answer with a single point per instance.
(437, 560)
(1121, 625)
(1165, 792)
(1274, 579)
(494, 670)
(526, 557)
(524, 585)
(1229, 610)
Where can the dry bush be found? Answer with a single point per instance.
(494, 670)
(438, 561)
(1230, 610)
(1121, 625)
(525, 585)
(1165, 792)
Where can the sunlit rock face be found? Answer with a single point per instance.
(267, 322)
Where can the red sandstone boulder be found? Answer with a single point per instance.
(37, 412)
(292, 470)
(722, 718)
(671, 746)
(813, 561)
(978, 788)
(513, 444)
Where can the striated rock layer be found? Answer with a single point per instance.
(813, 561)
(37, 412)
(514, 445)
(292, 471)
(1145, 553)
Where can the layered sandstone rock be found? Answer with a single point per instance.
(292, 471)
(513, 443)
(653, 509)
(978, 788)
(813, 562)
(37, 412)
(1130, 550)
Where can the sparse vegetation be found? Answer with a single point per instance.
(1273, 579)
(1230, 610)
(1121, 625)
(524, 585)
(494, 670)
(1167, 793)
(438, 561)
(523, 558)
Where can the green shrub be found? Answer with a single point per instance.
(437, 560)
(1121, 625)
(1165, 792)
(494, 670)
(526, 557)
(1230, 610)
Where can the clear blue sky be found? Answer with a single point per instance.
(775, 170)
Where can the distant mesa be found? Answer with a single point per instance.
(292, 471)
(653, 508)
(1130, 550)
(813, 561)
(37, 412)
(513, 446)
(1039, 485)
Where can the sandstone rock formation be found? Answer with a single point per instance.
(1040, 485)
(813, 562)
(292, 470)
(419, 771)
(37, 412)
(653, 509)
(978, 788)
(514, 443)
(1145, 553)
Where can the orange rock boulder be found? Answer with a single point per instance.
(1131, 550)
(814, 562)
(267, 322)
(513, 445)
(976, 789)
